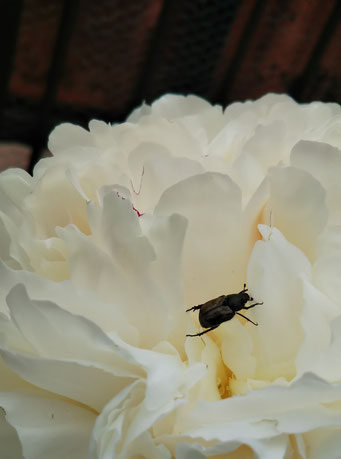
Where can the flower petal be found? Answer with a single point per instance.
(74, 380)
(9, 441)
(122, 422)
(326, 275)
(323, 162)
(154, 170)
(213, 252)
(297, 203)
(275, 270)
(318, 311)
(48, 427)
(120, 263)
(237, 351)
(61, 349)
(303, 405)
(67, 135)
(55, 333)
(172, 106)
(77, 301)
(327, 363)
(272, 448)
(324, 443)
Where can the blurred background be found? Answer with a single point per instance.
(75, 60)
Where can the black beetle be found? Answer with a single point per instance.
(221, 309)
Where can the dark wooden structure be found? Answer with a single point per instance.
(73, 60)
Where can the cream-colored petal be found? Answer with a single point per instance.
(241, 447)
(297, 203)
(329, 242)
(324, 443)
(171, 106)
(275, 272)
(78, 301)
(61, 349)
(55, 333)
(146, 444)
(327, 362)
(257, 155)
(48, 427)
(73, 378)
(135, 409)
(301, 406)
(214, 259)
(47, 204)
(11, 380)
(323, 162)
(120, 264)
(178, 140)
(326, 275)
(317, 314)
(122, 422)
(167, 236)
(10, 446)
(153, 170)
(67, 135)
(15, 185)
(237, 350)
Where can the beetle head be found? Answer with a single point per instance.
(245, 297)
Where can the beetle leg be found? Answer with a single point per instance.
(252, 305)
(254, 323)
(194, 308)
(205, 331)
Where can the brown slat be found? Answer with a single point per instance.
(37, 34)
(188, 47)
(280, 48)
(107, 51)
(230, 49)
(321, 78)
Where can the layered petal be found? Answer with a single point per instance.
(62, 428)
(213, 252)
(129, 225)
(275, 274)
(323, 162)
(297, 203)
(301, 406)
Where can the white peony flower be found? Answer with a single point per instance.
(126, 227)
